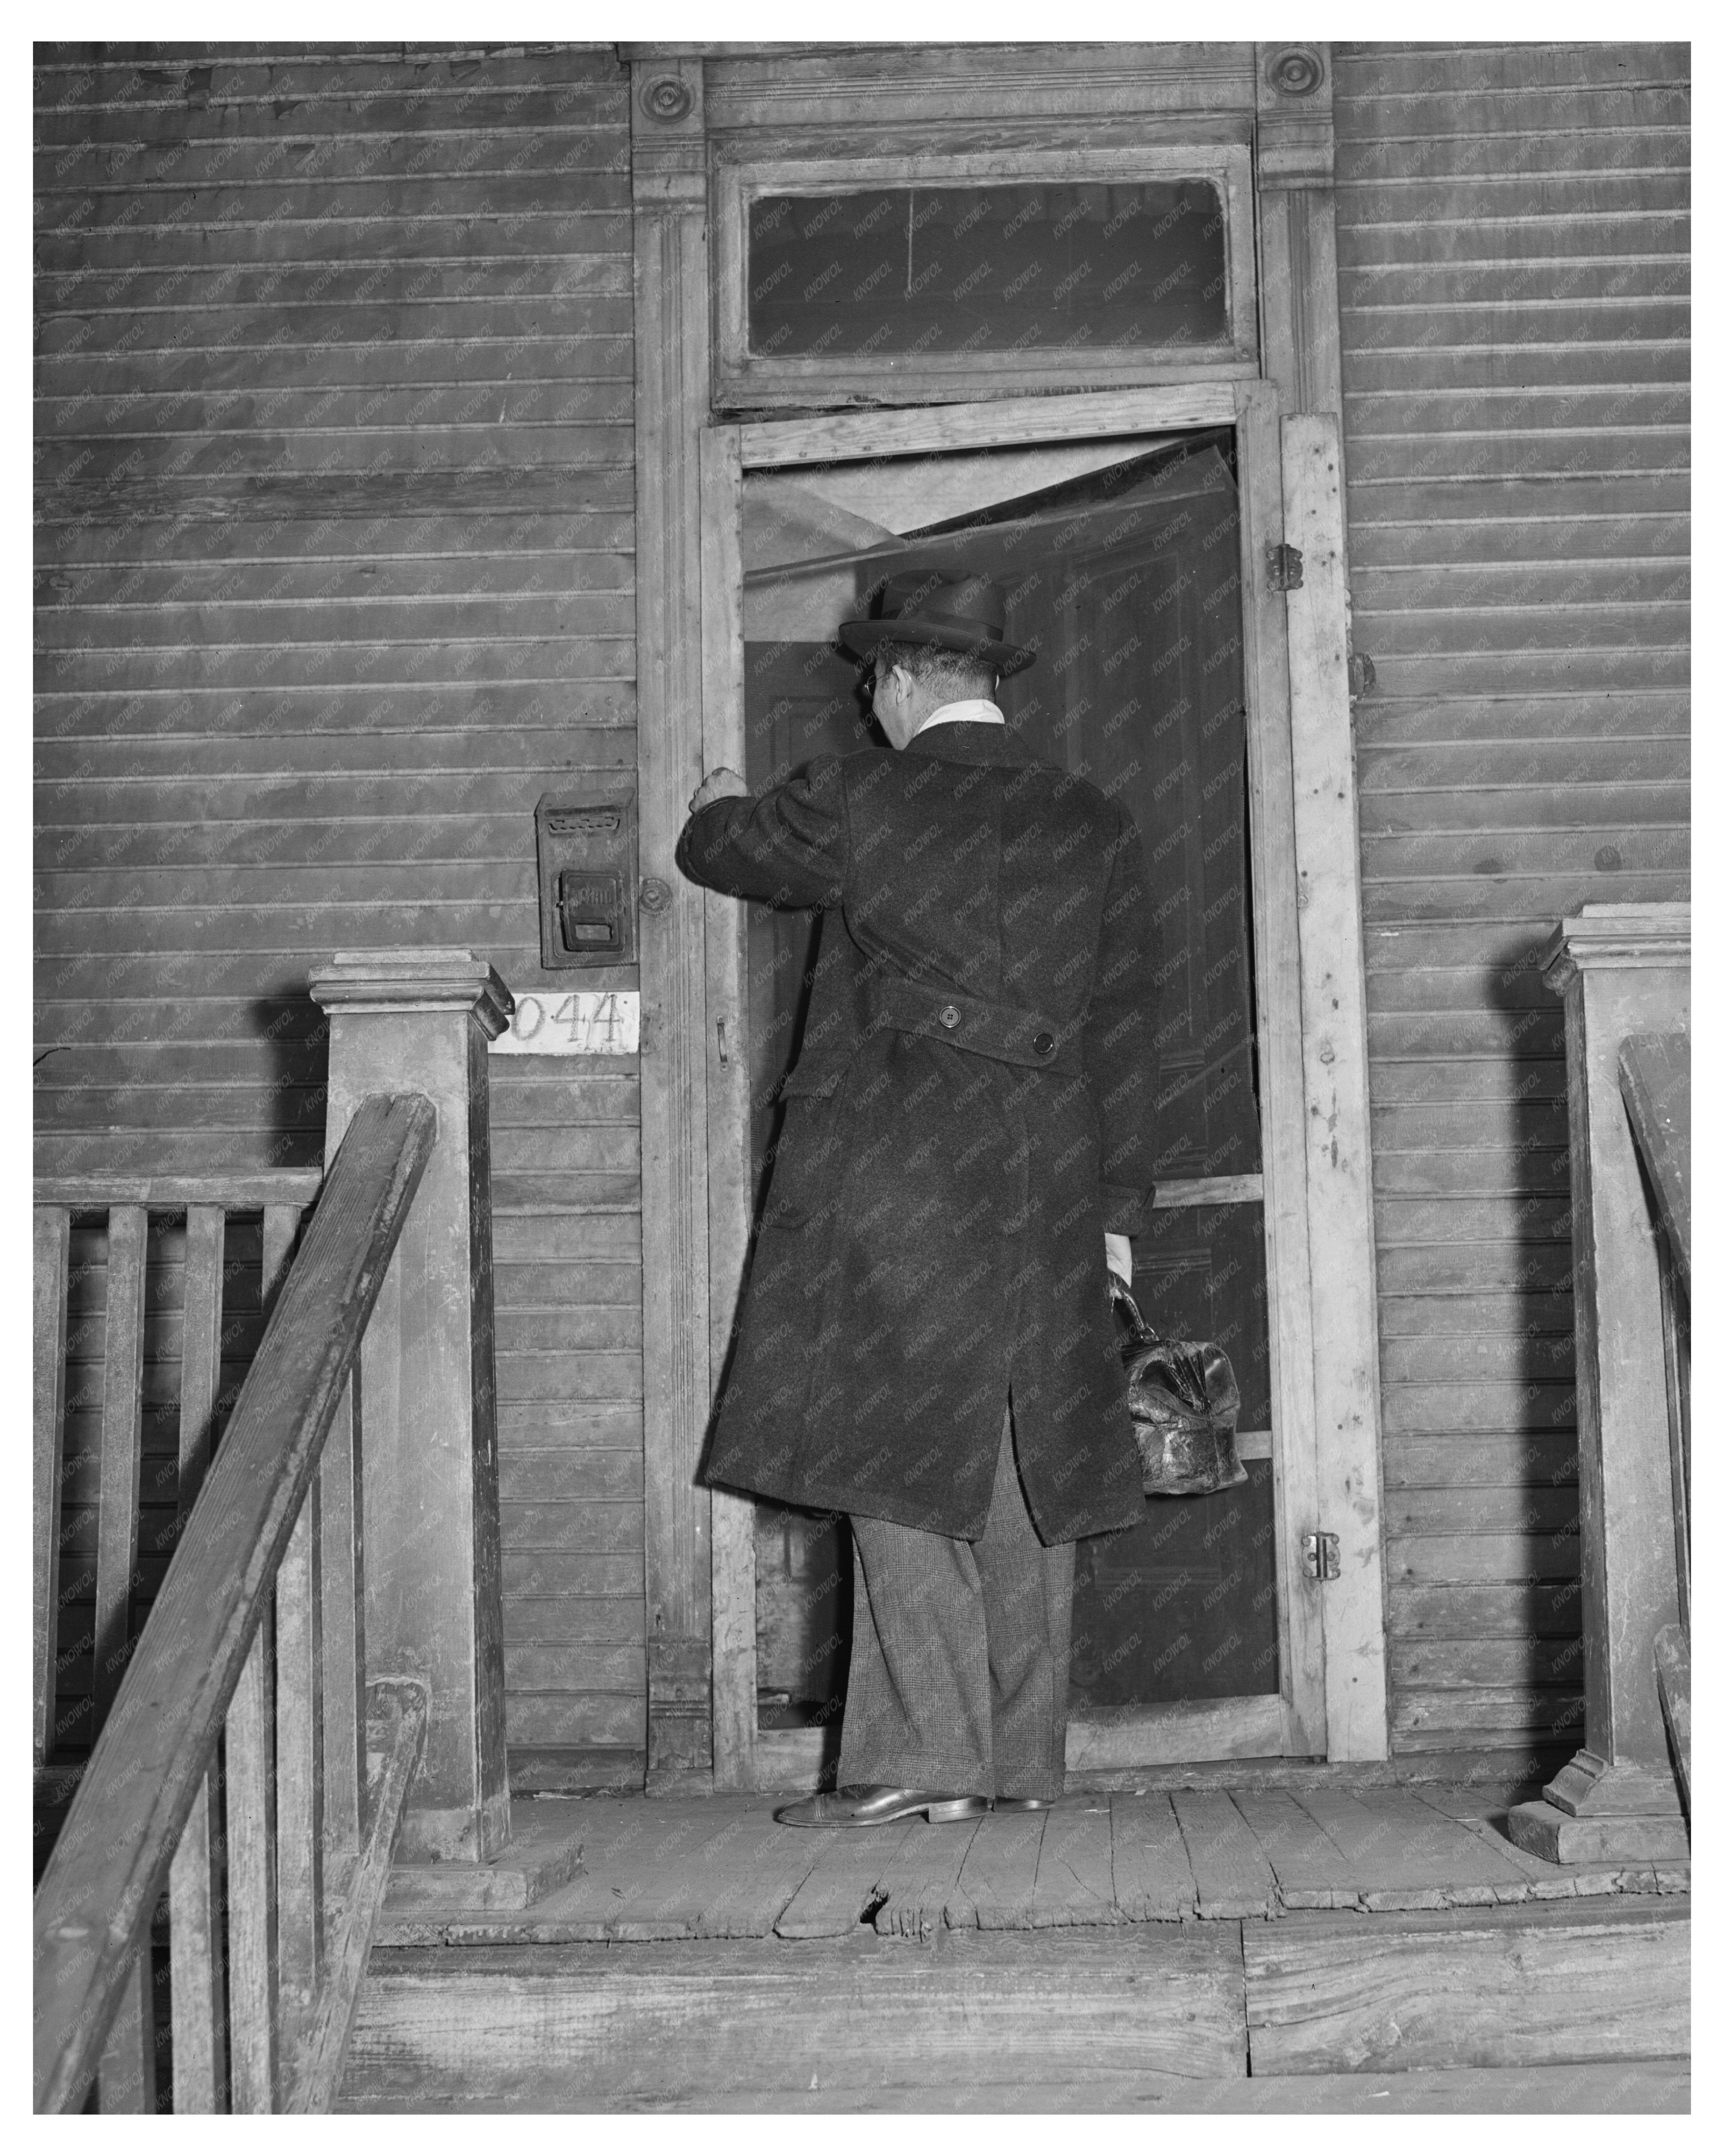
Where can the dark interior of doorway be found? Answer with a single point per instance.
(1125, 579)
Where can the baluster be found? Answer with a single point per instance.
(299, 1783)
(253, 1909)
(281, 1223)
(52, 1242)
(200, 2062)
(122, 1448)
(342, 1562)
(125, 2081)
(253, 2017)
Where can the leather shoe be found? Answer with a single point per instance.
(876, 1804)
(1024, 1804)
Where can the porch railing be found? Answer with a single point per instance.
(99, 1493)
(245, 1760)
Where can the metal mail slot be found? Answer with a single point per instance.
(589, 910)
(583, 823)
(586, 880)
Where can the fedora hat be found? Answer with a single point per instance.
(967, 614)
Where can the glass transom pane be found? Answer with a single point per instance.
(1036, 265)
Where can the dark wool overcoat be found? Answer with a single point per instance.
(972, 1106)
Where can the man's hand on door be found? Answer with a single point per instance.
(715, 786)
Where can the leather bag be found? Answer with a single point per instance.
(1185, 1406)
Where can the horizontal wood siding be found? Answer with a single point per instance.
(566, 1161)
(1513, 248)
(335, 521)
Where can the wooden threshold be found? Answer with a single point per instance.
(1246, 1729)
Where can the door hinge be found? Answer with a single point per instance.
(1287, 569)
(1322, 1556)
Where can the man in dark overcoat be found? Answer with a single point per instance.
(926, 1341)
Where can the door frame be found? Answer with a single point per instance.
(690, 107)
(1293, 1720)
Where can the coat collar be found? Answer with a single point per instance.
(969, 741)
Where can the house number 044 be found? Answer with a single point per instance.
(604, 1022)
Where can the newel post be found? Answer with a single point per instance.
(418, 1021)
(1621, 970)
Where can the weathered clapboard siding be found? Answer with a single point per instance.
(335, 577)
(1513, 251)
(566, 1169)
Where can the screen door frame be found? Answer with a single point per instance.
(1293, 1719)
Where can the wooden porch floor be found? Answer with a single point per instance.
(1299, 1948)
(721, 1868)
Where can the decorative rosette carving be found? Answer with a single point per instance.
(667, 97)
(1297, 71)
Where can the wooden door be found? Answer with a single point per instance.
(1130, 531)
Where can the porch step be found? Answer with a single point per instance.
(1109, 2017)
(1660, 2087)
(1581, 1981)
(595, 2028)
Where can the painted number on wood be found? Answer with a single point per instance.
(603, 1023)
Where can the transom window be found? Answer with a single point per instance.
(851, 278)
(989, 268)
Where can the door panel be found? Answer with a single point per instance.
(1124, 578)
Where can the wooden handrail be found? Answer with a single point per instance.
(244, 1190)
(1657, 1091)
(94, 1907)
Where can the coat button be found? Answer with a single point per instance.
(952, 1016)
(1043, 1044)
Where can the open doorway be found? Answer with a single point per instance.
(1120, 560)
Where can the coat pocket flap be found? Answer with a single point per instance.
(810, 1082)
